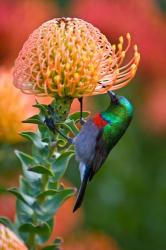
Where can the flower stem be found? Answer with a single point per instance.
(40, 194)
(31, 241)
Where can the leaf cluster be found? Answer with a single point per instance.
(40, 193)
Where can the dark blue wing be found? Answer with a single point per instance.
(101, 154)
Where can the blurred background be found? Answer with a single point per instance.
(125, 205)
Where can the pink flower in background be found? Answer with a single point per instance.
(17, 20)
(141, 18)
(155, 112)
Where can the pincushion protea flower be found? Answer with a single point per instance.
(70, 57)
(14, 107)
(9, 241)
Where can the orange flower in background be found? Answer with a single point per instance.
(91, 241)
(70, 57)
(7, 206)
(9, 241)
(18, 20)
(14, 107)
(8, 201)
(66, 221)
(155, 112)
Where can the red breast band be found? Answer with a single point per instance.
(98, 121)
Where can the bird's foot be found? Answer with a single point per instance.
(82, 121)
(50, 124)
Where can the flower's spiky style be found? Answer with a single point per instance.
(9, 241)
(70, 57)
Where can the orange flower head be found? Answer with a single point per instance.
(14, 107)
(9, 241)
(70, 57)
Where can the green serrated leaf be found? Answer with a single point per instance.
(44, 232)
(27, 161)
(19, 196)
(59, 199)
(45, 132)
(49, 192)
(16, 193)
(35, 138)
(67, 128)
(23, 197)
(24, 212)
(32, 228)
(41, 170)
(76, 116)
(50, 206)
(53, 185)
(41, 107)
(41, 230)
(27, 227)
(73, 127)
(60, 164)
(52, 247)
(25, 187)
(35, 119)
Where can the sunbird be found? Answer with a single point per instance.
(97, 138)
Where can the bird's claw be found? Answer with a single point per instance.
(70, 140)
(82, 121)
(52, 127)
(50, 124)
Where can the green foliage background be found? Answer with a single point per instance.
(127, 198)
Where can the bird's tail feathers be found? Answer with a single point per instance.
(82, 189)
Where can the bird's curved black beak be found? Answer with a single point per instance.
(114, 98)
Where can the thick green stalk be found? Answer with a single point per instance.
(31, 241)
(61, 108)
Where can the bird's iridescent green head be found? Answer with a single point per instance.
(119, 105)
(126, 105)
